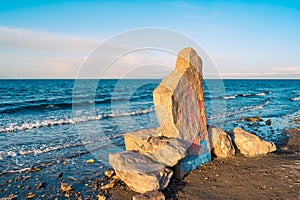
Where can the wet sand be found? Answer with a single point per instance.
(275, 176)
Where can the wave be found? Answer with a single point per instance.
(261, 94)
(64, 103)
(9, 153)
(245, 95)
(295, 98)
(240, 111)
(229, 97)
(51, 148)
(46, 123)
(233, 96)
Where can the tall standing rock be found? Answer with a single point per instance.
(179, 106)
(179, 100)
(181, 140)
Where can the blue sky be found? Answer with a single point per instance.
(245, 39)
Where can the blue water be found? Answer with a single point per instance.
(56, 125)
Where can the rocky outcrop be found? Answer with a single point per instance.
(139, 172)
(221, 143)
(181, 140)
(251, 145)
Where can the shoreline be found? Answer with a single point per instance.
(274, 176)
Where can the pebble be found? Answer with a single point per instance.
(30, 195)
(40, 185)
(65, 187)
(109, 173)
(60, 175)
(109, 186)
(101, 197)
(90, 161)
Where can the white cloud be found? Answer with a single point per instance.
(40, 40)
(37, 54)
(289, 70)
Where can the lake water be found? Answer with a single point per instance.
(57, 125)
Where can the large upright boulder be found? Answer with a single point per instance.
(251, 145)
(179, 100)
(180, 141)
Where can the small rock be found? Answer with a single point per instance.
(10, 197)
(90, 161)
(101, 197)
(109, 173)
(40, 185)
(152, 195)
(60, 175)
(65, 187)
(253, 119)
(269, 122)
(109, 186)
(30, 195)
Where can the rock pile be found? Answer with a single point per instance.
(226, 144)
(180, 143)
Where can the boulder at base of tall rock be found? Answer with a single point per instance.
(134, 140)
(139, 172)
(251, 145)
(163, 150)
(222, 146)
(167, 151)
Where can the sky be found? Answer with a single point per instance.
(54, 39)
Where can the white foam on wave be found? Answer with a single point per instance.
(261, 94)
(246, 95)
(16, 171)
(13, 127)
(241, 110)
(229, 97)
(4, 154)
(52, 148)
(296, 98)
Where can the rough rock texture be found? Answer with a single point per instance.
(214, 134)
(134, 140)
(179, 106)
(161, 149)
(223, 146)
(164, 150)
(139, 172)
(251, 145)
(152, 195)
(181, 140)
(179, 101)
